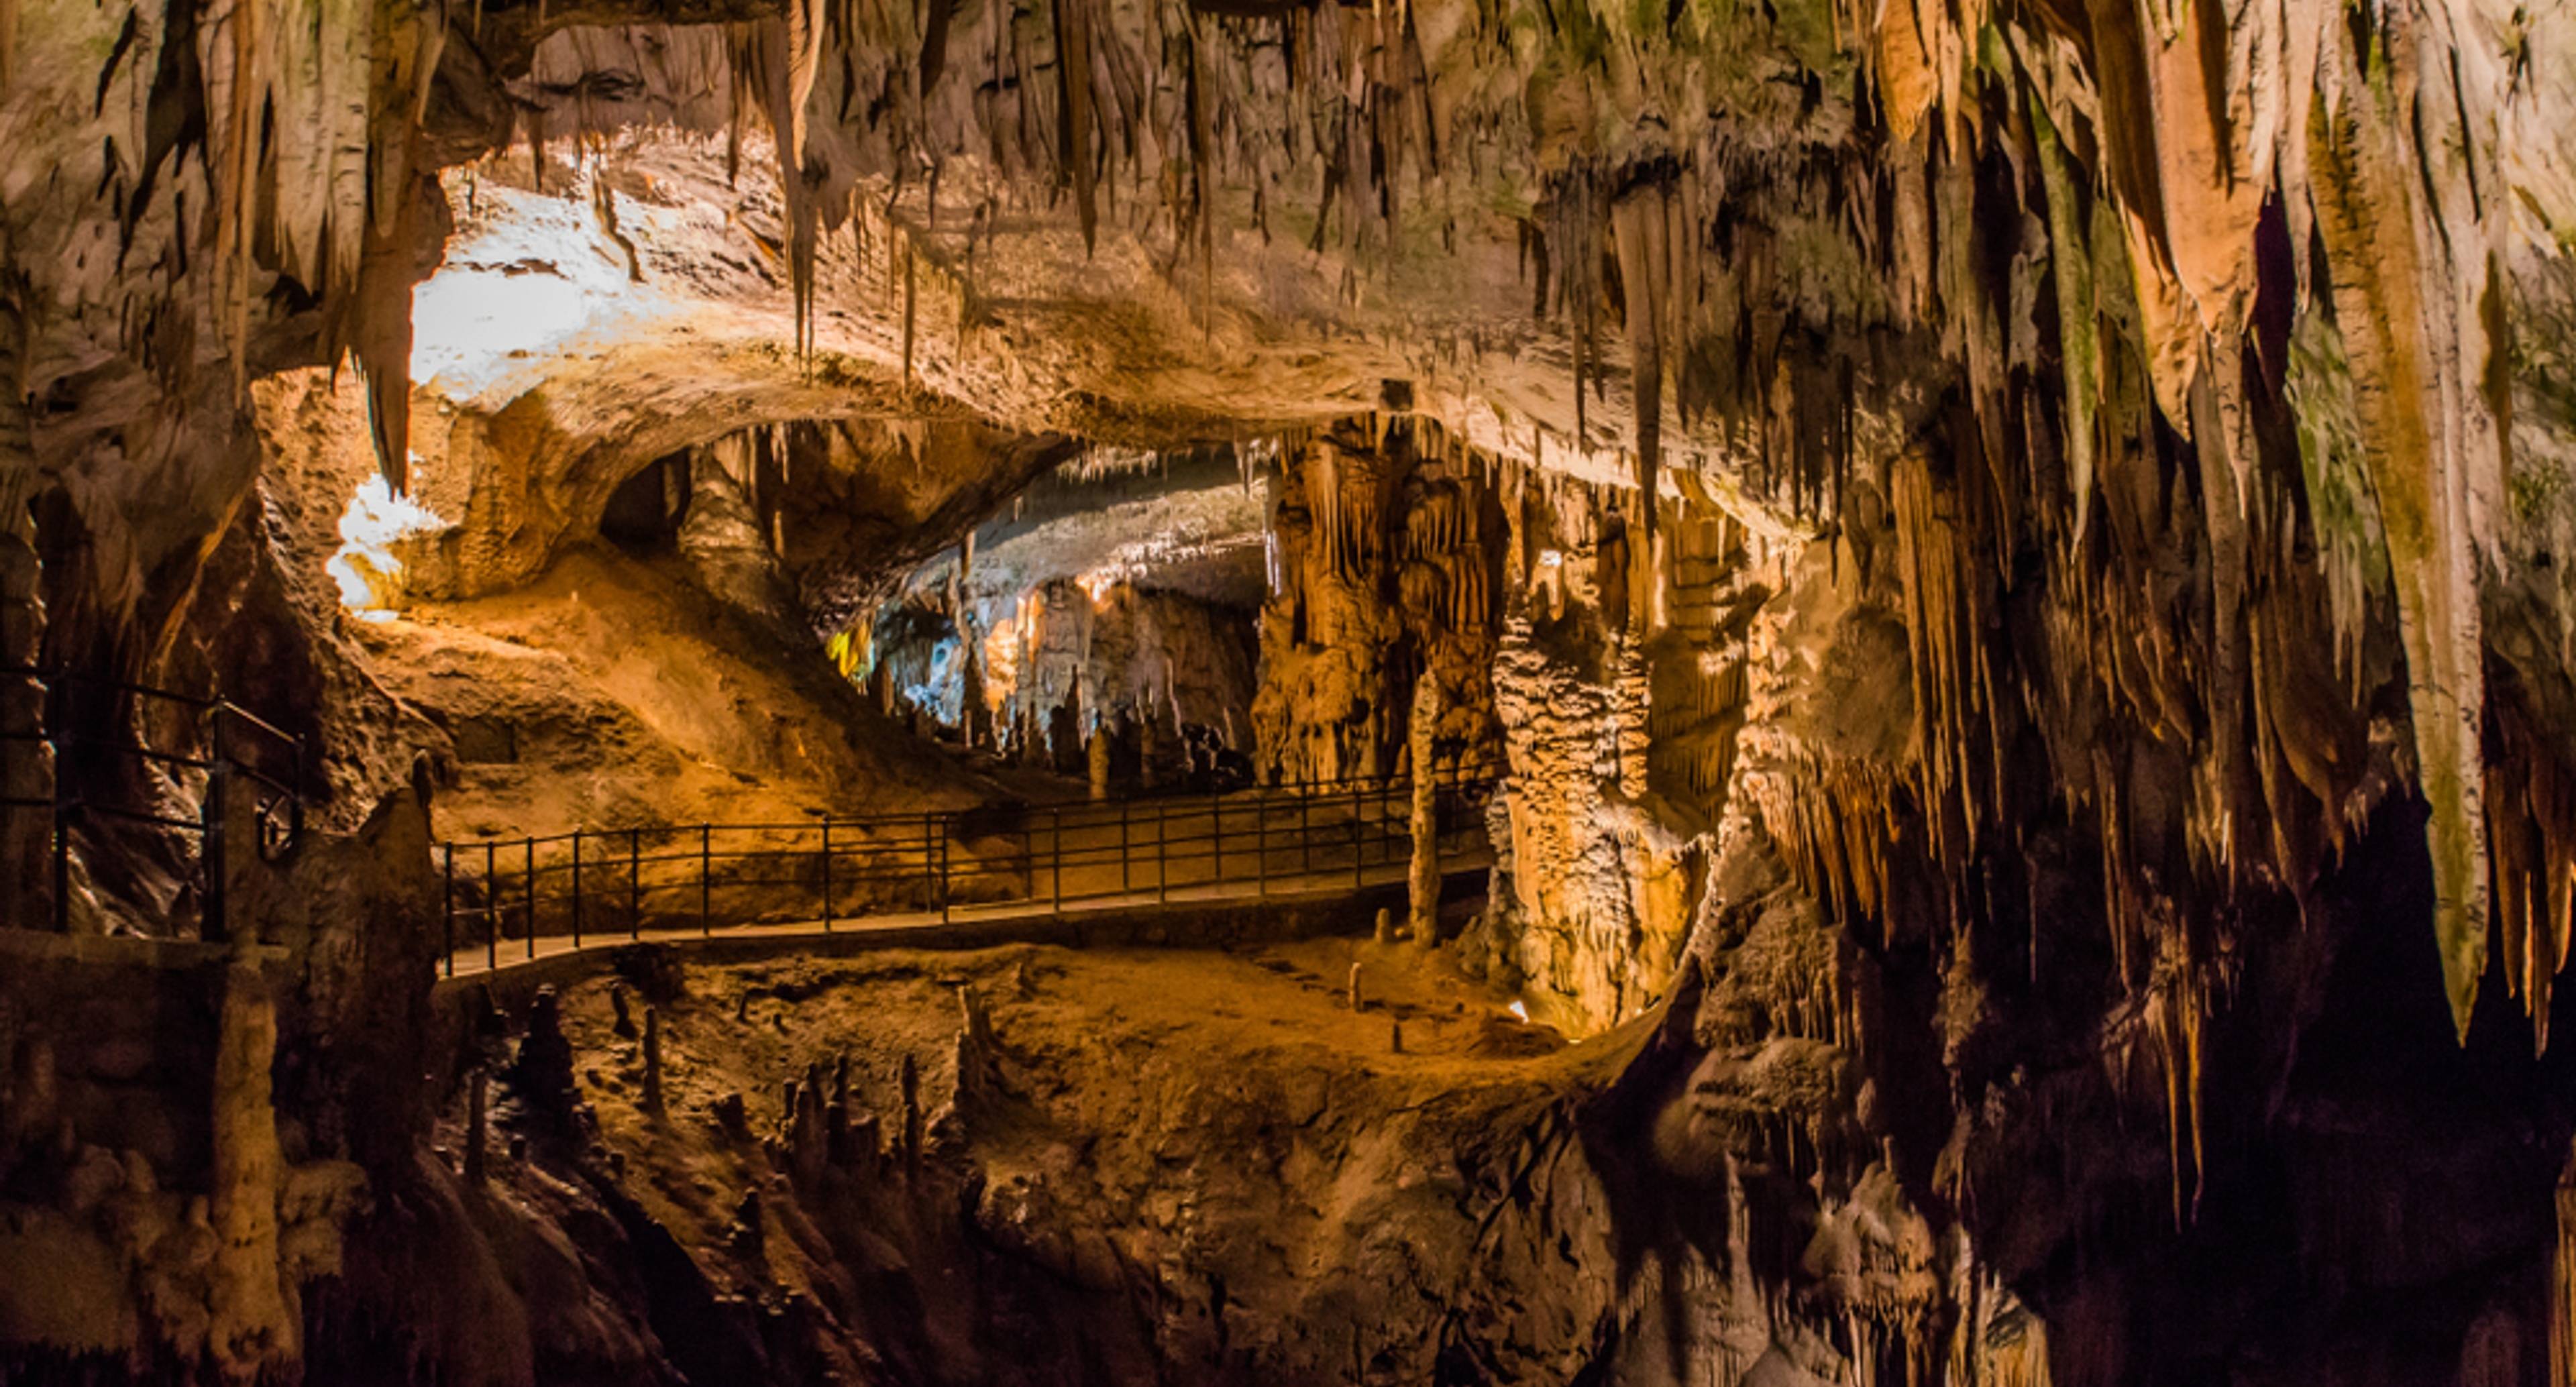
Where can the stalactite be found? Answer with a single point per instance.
(2078, 325)
(911, 298)
(1074, 158)
(2531, 839)
(2362, 216)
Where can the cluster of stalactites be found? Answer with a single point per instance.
(2531, 842)
(1750, 296)
(2160, 309)
(303, 118)
(2178, 475)
(1146, 112)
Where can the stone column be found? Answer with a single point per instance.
(1426, 819)
(251, 1333)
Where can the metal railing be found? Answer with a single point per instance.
(505, 894)
(123, 776)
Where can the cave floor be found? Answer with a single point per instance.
(1234, 1080)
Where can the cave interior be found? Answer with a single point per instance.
(1750, 693)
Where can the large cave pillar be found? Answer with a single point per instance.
(1619, 685)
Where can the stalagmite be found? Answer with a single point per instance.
(477, 1138)
(1096, 755)
(653, 1061)
(1351, 992)
(908, 1085)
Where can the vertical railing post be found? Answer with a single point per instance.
(929, 880)
(65, 812)
(576, 888)
(295, 798)
(211, 842)
(532, 898)
(1359, 852)
(1386, 820)
(447, 909)
(1261, 842)
(1123, 884)
(706, 872)
(1305, 833)
(943, 878)
(491, 906)
(1216, 840)
(635, 883)
(827, 873)
(1162, 852)
(53, 739)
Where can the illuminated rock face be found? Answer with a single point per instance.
(1387, 542)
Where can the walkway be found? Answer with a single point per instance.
(982, 875)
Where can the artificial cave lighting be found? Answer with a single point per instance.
(364, 567)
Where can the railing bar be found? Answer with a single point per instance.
(576, 888)
(141, 753)
(1178, 843)
(138, 816)
(255, 720)
(447, 917)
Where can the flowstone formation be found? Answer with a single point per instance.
(2010, 564)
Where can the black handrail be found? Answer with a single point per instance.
(1054, 855)
(237, 744)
